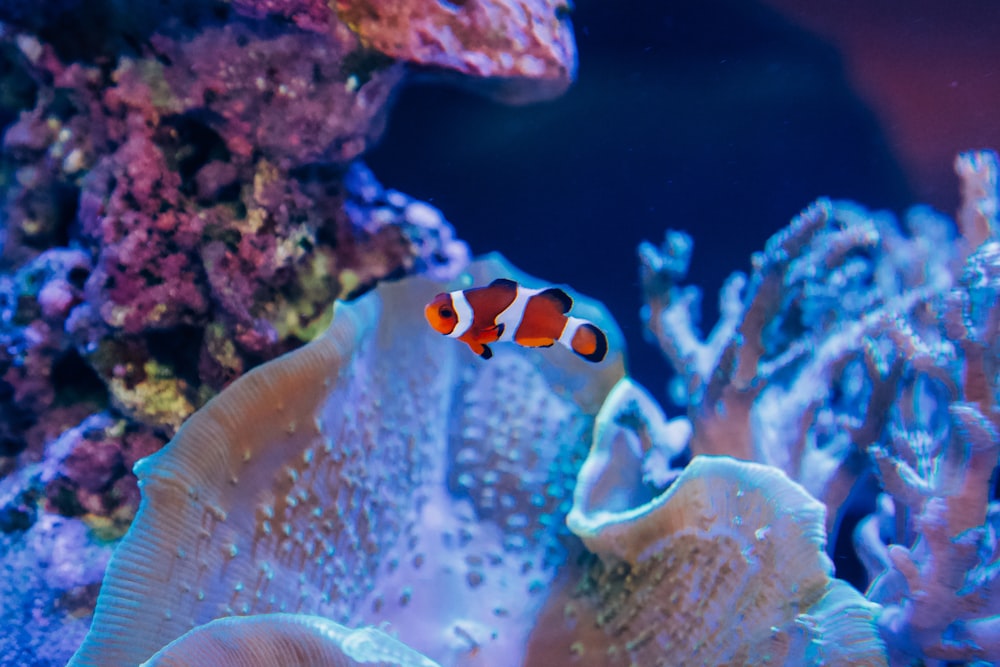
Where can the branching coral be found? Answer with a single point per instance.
(855, 350)
(938, 588)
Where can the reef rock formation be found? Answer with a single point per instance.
(217, 203)
(202, 158)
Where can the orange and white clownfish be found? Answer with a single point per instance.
(505, 311)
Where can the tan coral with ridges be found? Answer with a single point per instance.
(727, 566)
(289, 640)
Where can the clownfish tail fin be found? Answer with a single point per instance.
(562, 300)
(585, 339)
(590, 343)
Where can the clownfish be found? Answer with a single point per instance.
(505, 311)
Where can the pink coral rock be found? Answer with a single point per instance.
(518, 51)
(527, 46)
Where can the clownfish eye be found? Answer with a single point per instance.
(445, 312)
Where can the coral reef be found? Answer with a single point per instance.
(449, 478)
(182, 200)
(203, 219)
(204, 180)
(182, 203)
(178, 211)
(854, 353)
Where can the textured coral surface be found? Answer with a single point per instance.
(530, 41)
(177, 213)
(181, 200)
(382, 479)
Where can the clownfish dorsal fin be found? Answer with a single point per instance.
(503, 282)
(559, 297)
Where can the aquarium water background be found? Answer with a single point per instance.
(722, 119)
(170, 224)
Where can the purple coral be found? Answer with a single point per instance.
(213, 239)
(37, 361)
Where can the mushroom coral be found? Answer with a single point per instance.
(370, 477)
(290, 640)
(384, 476)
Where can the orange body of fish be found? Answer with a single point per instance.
(505, 311)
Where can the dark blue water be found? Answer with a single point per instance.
(719, 118)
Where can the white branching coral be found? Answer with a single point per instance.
(854, 348)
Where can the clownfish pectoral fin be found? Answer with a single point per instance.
(492, 334)
(562, 300)
(479, 349)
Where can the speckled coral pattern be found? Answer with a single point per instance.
(319, 484)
